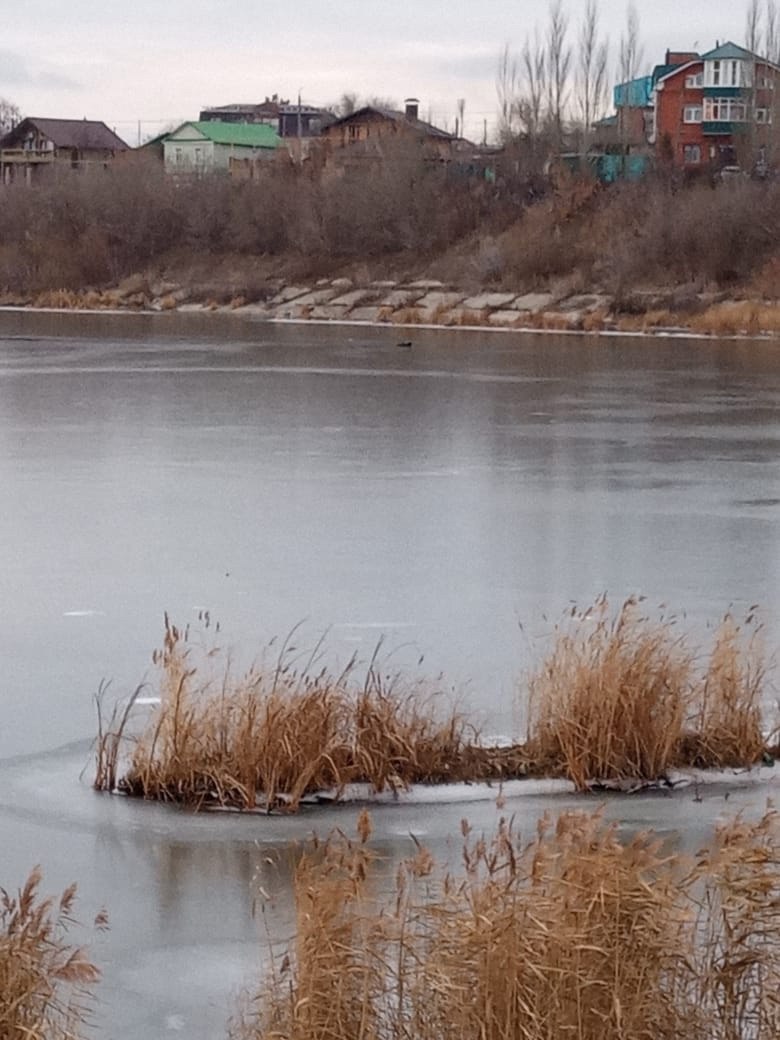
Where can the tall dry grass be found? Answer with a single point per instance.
(727, 725)
(45, 981)
(277, 732)
(623, 697)
(611, 699)
(573, 934)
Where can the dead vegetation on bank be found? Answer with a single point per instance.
(45, 981)
(69, 238)
(574, 933)
(619, 698)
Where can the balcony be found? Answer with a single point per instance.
(26, 156)
(723, 127)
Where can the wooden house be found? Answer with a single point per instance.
(370, 130)
(36, 144)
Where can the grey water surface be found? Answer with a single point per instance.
(453, 498)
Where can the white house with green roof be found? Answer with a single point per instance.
(208, 147)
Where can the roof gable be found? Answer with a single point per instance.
(677, 71)
(396, 117)
(247, 135)
(728, 51)
(83, 134)
(240, 135)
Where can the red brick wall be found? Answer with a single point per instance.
(670, 103)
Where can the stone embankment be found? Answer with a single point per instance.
(433, 303)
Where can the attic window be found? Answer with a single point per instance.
(694, 81)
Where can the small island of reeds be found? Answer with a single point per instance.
(621, 698)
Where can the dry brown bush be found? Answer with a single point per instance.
(73, 231)
(573, 934)
(45, 981)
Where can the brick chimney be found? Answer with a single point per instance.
(412, 106)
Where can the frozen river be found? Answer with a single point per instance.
(442, 496)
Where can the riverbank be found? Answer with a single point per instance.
(429, 303)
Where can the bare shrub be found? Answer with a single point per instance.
(45, 981)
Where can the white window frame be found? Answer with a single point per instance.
(689, 151)
(694, 81)
(763, 115)
(693, 114)
(725, 110)
(714, 70)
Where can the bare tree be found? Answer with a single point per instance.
(348, 103)
(10, 115)
(534, 75)
(558, 67)
(507, 91)
(771, 32)
(459, 131)
(631, 50)
(753, 29)
(591, 78)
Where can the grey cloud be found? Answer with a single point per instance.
(17, 71)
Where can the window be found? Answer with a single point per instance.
(765, 83)
(354, 132)
(179, 156)
(763, 115)
(724, 110)
(732, 71)
(692, 114)
(691, 154)
(715, 73)
(694, 81)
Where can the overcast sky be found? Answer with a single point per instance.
(160, 62)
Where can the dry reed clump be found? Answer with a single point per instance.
(276, 734)
(726, 728)
(744, 317)
(575, 934)
(611, 699)
(45, 981)
(620, 698)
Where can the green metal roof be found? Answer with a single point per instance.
(244, 135)
(727, 51)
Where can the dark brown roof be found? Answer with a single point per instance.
(84, 134)
(397, 117)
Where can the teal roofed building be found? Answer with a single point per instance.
(636, 93)
(210, 146)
